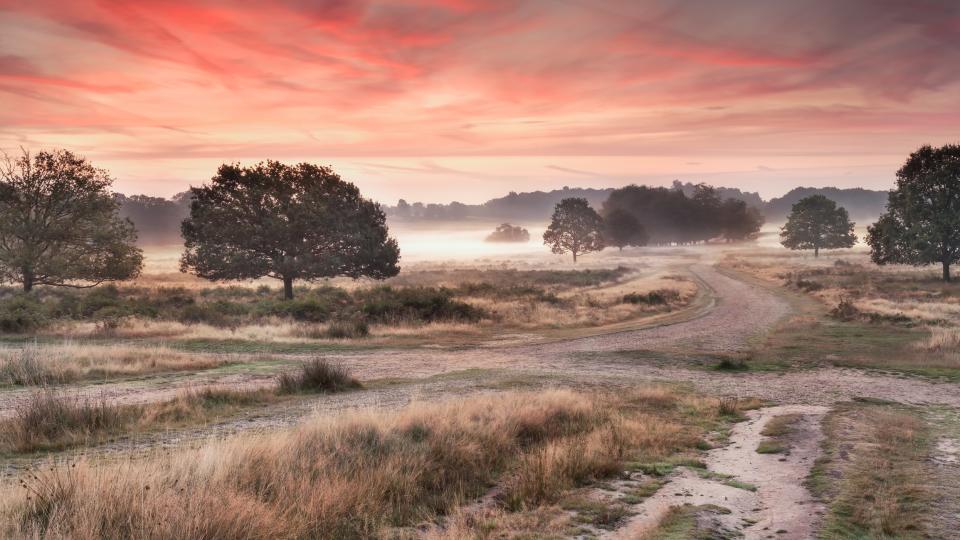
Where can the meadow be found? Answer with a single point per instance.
(517, 398)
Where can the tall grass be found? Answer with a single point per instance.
(360, 476)
(37, 365)
(316, 375)
(54, 419)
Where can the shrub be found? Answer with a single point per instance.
(301, 309)
(428, 304)
(808, 285)
(20, 314)
(317, 375)
(729, 363)
(659, 297)
(845, 311)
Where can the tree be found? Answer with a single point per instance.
(922, 222)
(622, 229)
(59, 224)
(738, 221)
(817, 223)
(287, 223)
(509, 233)
(574, 228)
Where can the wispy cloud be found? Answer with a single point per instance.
(687, 80)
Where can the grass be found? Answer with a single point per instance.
(894, 319)
(873, 474)
(51, 419)
(685, 523)
(368, 475)
(49, 364)
(317, 375)
(777, 431)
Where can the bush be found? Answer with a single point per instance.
(845, 311)
(808, 285)
(20, 314)
(300, 309)
(317, 375)
(659, 297)
(428, 304)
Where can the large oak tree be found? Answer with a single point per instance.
(299, 222)
(817, 223)
(59, 223)
(575, 228)
(922, 222)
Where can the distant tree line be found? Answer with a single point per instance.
(672, 217)
(641, 215)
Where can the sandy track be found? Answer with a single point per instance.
(780, 506)
(740, 312)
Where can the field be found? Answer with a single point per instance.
(706, 392)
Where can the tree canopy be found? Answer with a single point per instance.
(59, 223)
(671, 216)
(575, 228)
(300, 222)
(621, 229)
(817, 223)
(509, 233)
(922, 222)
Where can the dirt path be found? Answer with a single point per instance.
(740, 311)
(780, 506)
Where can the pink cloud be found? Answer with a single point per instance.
(418, 78)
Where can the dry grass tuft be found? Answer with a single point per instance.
(317, 375)
(51, 419)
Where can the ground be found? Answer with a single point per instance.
(828, 388)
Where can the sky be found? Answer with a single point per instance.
(440, 100)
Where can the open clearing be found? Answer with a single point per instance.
(733, 490)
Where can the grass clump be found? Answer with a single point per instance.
(347, 329)
(874, 473)
(317, 375)
(777, 431)
(49, 419)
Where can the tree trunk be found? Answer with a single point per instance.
(946, 271)
(288, 288)
(27, 281)
(816, 251)
(574, 257)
